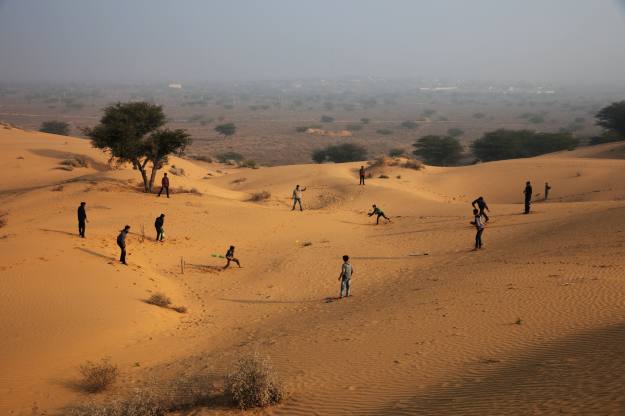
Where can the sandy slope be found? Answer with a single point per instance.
(431, 334)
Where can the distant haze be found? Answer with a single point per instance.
(568, 41)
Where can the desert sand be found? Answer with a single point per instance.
(531, 324)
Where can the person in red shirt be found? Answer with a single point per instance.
(164, 185)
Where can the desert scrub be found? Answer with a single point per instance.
(260, 196)
(97, 377)
(159, 299)
(252, 383)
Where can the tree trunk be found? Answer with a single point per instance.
(141, 168)
(153, 175)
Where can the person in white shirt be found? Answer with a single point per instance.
(346, 274)
(297, 197)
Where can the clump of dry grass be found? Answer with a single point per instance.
(260, 196)
(97, 377)
(403, 162)
(252, 383)
(176, 171)
(238, 181)
(185, 393)
(412, 164)
(57, 188)
(183, 190)
(159, 299)
(75, 162)
(383, 176)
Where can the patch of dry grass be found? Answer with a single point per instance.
(176, 170)
(75, 162)
(260, 196)
(159, 299)
(183, 190)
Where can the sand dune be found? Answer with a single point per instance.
(513, 329)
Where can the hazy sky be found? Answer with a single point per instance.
(204, 40)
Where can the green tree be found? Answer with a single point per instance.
(226, 129)
(438, 150)
(340, 153)
(612, 118)
(226, 156)
(511, 144)
(55, 127)
(133, 133)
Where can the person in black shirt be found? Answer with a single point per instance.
(362, 175)
(121, 242)
(158, 224)
(481, 204)
(230, 257)
(82, 219)
(528, 196)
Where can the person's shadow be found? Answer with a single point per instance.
(95, 253)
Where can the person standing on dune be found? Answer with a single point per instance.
(481, 204)
(82, 219)
(528, 196)
(230, 257)
(479, 227)
(297, 197)
(121, 242)
(362, 175)
(346, 274)
(158, 224)
(547, 189)
(164, 185)
(377, 211)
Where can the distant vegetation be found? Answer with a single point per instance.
(354, 127)
(384, 132)
(365, 120)
(228, 156)
(133, 132)
(409, 125)
(612, 118)
(455, 132)
(327, 119)
(55, 127)
(340, 153)
(396, 152)
(438, 150)
(226, 130)
(511, 144)
(479, 115)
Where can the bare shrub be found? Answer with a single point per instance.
(238, 181)
(159, 299)
(141, 403)
(260, 196)
(252, 383)
(413, 164)
(383, 176)
(183, 190)
(248, 163)
(97, 377)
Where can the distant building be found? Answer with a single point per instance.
(176, 86)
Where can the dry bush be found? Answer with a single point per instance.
(252, 383)
(57, 188)
(141, 403)
(383, 176)
(159, 299)
(248, 163)
(238, 181)
(412, 164)
(176, 171)
(97, 377)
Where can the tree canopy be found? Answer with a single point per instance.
(438, 150)
(511, 144)
(132, 132)
(612, 118)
